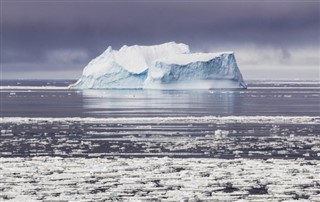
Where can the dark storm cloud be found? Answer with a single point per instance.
(32, 30)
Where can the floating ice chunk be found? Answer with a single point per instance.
(165, 66)
(221, 133)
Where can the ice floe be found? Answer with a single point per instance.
(158, 179)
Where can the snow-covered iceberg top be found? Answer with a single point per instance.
(165, 66)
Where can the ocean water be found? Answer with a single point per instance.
(247, 144)
(54, 99)
(278, 119)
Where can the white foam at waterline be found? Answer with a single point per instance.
(182, 119)
(67, 88)
(283, 88)
(34, 87)
(283, 82)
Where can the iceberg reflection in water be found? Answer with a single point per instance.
(265, 99)
(117, 103)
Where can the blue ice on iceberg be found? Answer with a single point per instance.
(165, 66)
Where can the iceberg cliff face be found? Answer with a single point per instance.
(165, 66)
(195, 71)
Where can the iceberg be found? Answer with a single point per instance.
(165, 66)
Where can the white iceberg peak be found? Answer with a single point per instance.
(108, 50)
(165, 66)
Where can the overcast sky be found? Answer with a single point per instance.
(56, 39)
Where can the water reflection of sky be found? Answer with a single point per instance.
(116, 103)
(160, 103)
(257, 100)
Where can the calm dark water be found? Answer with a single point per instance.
(31, 99)
(249, 137)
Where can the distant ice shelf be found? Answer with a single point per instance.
(165, 66)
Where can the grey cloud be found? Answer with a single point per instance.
(120, 23)
(33, 29)
(285, 54)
